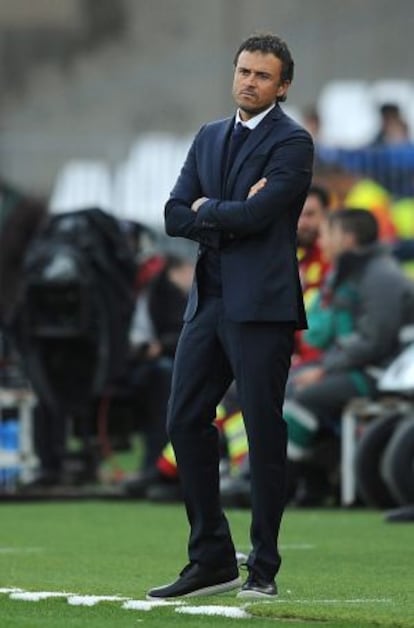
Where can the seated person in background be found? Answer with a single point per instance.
(394, 129)
(313, 266)
(312, 122)
(154, 334)
(167, 295)
(355, 321)
(144, 247)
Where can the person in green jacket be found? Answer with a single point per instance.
(355, 320)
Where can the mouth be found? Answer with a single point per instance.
(248, 94)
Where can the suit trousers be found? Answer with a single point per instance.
(212, 351)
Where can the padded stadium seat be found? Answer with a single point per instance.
(82, 184)
(143, 183)
(349, 117)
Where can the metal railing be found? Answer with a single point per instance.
(390, 166)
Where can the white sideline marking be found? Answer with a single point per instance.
(241, 558)
(35, 596)
(352, 601)
(179, 606)
(92, 600)
(223, 611)
(147, 605)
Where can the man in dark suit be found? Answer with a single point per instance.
(239, 194)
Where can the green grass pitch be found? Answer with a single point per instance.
(340, 568)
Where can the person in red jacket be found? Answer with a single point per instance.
(312, 264)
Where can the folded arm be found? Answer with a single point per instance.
(180, 221)
(288, 174)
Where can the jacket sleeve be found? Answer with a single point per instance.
(377, 326)
(288, 174)
(320, 330)
(180, 220)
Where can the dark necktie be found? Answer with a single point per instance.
(238, 136)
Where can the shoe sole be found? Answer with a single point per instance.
(211, 590)
(256, 595)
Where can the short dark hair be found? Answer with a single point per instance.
(268, 43)
(321, 194)
(388, 109)
(360, 222)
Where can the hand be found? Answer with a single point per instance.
(198, 202)
(308, 376)
(259, 185)
(154, 349)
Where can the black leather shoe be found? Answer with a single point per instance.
(256, 587)
(196, 579)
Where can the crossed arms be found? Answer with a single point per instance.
(190, 214)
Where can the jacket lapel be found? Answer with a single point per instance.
(219, 154)
(255, 138)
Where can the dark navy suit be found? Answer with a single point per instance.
(246, 331)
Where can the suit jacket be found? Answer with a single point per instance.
(256, 237)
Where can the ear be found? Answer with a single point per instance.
(349, 239)
(283, 89)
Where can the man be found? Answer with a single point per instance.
(351, 323)
(394, 129)
(243, 308)
(312, 264)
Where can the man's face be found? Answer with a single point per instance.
(325, 241)
(257, 82)
(310, 221)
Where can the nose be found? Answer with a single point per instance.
(251, 80)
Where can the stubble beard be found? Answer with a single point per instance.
(253, 111)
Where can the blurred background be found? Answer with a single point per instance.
(99, 101)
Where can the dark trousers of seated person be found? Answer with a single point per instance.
(149, 383)
(49, 435)
(327, 398)
(316, 409)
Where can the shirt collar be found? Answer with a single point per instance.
(253, 122)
